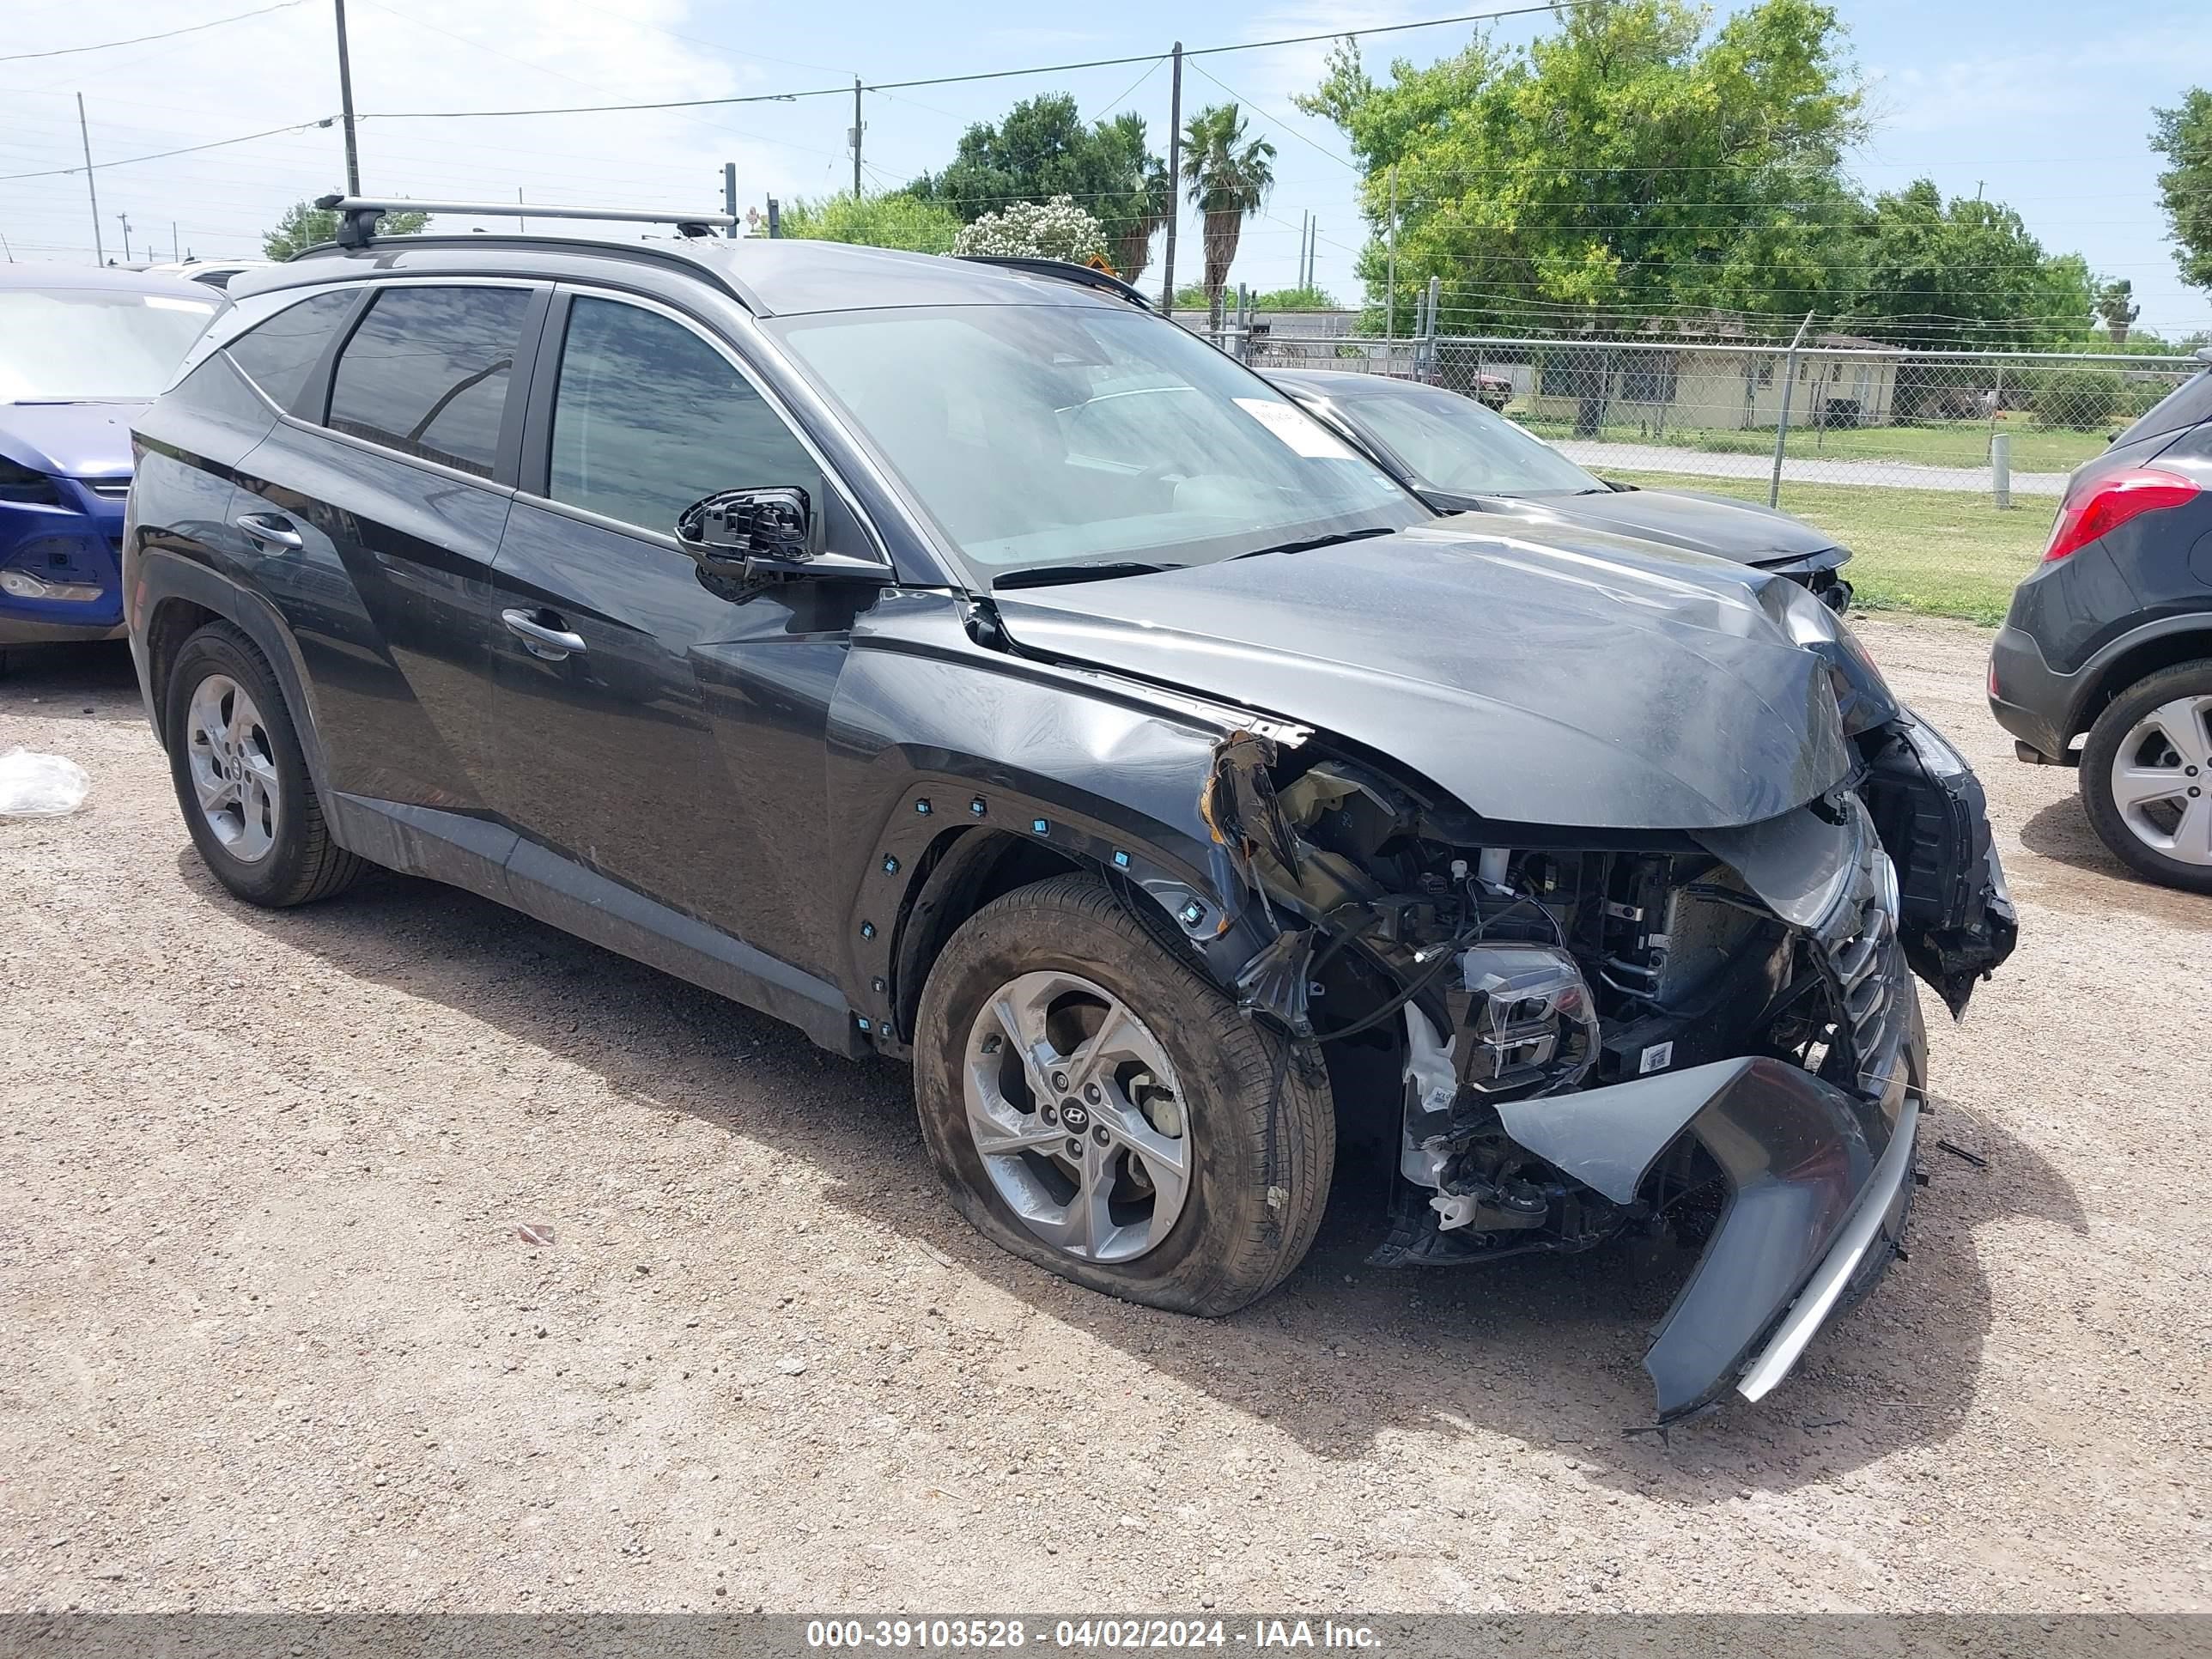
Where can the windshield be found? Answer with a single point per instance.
(1454, 444)
(72, 345)
(1053, 435)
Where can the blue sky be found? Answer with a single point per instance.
(2036, 104)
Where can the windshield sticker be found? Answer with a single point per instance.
(1305, 436)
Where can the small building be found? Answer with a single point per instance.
(1841, 380)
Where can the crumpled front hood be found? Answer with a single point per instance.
(1557, 677)
(72, 441)
(1743, 530)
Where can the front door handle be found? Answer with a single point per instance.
(540, 640)
(272, 532)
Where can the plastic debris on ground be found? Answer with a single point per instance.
(34, 786)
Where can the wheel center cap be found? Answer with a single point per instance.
(1075, 1115)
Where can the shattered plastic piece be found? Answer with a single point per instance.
(1275, 979)
(34, 786)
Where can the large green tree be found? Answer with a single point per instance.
(1966, 272)
(1638, 161)
(892, 219)
(1042, 148)
(2183, 136)
(1229, 175)
(304, 225)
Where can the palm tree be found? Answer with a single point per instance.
(1149, 208)
(1229, 178)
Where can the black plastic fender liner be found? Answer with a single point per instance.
(1797, 1153)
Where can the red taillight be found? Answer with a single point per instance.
(2102, 505)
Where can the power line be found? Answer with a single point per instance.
(163, 155)
(981, 75)
(141, 40)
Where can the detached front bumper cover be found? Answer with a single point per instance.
(1817, 1186)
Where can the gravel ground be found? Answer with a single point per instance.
(271, 1337)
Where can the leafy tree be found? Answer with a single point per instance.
(1635, 161)
(1229, 177)
(2183, 136)
(1191, 297)
(1965, 273)
(2083, 398)
(2116, 308)
(1042, 148)
(891, 219)
(304, 225)
(1057, 229)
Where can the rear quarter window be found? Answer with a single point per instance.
(278, 355)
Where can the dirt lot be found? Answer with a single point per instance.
(270, 1336)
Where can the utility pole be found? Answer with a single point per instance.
(730, 193)
(1782, 419)
(1305, 219)
(1175, 183)
(99, 252)
(345, 103)
(521, 224)
(1390, 300)
(857, 126)
(124, 219)
(1313, 252)
(175, 257)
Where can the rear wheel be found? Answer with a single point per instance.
(2147, 776)
(1097, 1107)
(241, 779)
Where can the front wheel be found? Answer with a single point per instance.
(2147, 776)
(1096, 1106)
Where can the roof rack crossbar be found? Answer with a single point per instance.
(358, 214)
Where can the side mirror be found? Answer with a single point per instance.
(747, 539)
(733, 525)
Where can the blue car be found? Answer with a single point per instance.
(82, 353)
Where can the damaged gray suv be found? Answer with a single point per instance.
(969, 667)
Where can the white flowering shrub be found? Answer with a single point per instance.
(1057, 229)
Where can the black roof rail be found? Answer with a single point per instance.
(1066, 270)
(357, 214)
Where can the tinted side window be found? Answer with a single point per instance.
(2187, 405)
(648, 418)
(279, 355)
(427, 372)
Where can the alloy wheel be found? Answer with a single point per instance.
(234, 768)
(2161, 777)
(1078, 1116)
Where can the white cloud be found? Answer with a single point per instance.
(408, 54)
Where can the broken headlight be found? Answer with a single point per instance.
(1525, 1018)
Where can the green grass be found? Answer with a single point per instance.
(1939, 553)
(1946, 443)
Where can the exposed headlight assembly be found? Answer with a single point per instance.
(1526, 1022)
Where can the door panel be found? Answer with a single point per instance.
(680, 751)
(388, 595)
(378, 550)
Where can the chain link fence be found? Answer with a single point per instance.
(1834, 411)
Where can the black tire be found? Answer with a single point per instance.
(2113, 725)
(303, 864)
(1227, 1247)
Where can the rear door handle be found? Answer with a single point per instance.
(271, 531)
(540, 640)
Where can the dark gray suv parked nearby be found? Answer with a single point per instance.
(974, 670)
(2106, 659)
